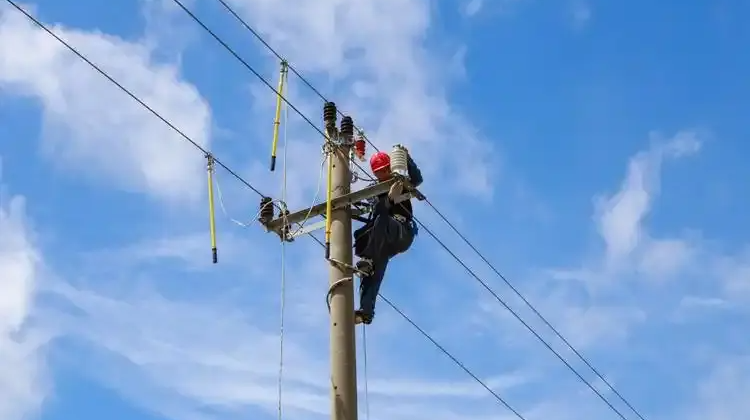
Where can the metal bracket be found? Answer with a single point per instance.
(345, 141)
(356, 212)
(305, 230)
(276, 224)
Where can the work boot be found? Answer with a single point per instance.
(361, 317)
(364, 267)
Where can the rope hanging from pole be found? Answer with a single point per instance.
(284, 213)
(367, 391)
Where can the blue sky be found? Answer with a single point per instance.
(592, 150)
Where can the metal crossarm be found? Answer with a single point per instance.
(277, 224)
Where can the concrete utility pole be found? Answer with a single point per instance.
(343, 342)
(339, 252)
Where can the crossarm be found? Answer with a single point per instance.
(339, 202)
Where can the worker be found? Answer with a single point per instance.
(389, 231)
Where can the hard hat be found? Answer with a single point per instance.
(379, 160)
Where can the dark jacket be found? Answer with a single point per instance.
(403, 208)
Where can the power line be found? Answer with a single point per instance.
(139, 101)
(280, 57)
(518, 317)
(486, 286)
(452, 357)
(440, 347)
(462, 236)
(443, 350)
(243, 181)
(252, 70)
(255, 72)
(273, 51)
(531, 306)
(248, 66)
(133, 96)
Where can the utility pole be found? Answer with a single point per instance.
(339, 212)
(341, 282)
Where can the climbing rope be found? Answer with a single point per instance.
(315, 198)
(235, 221)
(367, 392)
(283, 255)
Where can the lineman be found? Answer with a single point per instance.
(389, 231)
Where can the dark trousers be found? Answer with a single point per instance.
(380, 241)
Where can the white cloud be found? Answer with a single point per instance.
(629, 248)
(734, 275)
(581, 13)
(597, 325)
(661, 259)
(723, 394)
(209, 358)
(93, 127)
(23, 382)
(472, 7)
(693, 307)
(195, 353)
(620, 218)
(632, 251)
(189, 251)
(212, 359)
(590, 324)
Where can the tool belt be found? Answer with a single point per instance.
(401, 218)
(406, 221)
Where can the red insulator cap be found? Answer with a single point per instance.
(359, 147)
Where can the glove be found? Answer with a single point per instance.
(396, 189)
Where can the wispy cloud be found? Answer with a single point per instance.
(581, 13)
(178, 336)
(213, 359)
(472, 7)
(23, 375)
(619, 219)
(721, 394)
(107, 134)
(584, 301)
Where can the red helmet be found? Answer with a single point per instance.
(379, 160)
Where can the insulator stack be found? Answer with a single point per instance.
(359, 148)
(399, 161)
(347, 127)
(266, 210)
(329, 114)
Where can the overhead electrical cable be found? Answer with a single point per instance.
(250, 186)
(463, 237)
(533, 309)
(247, 26)
(255, 72)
